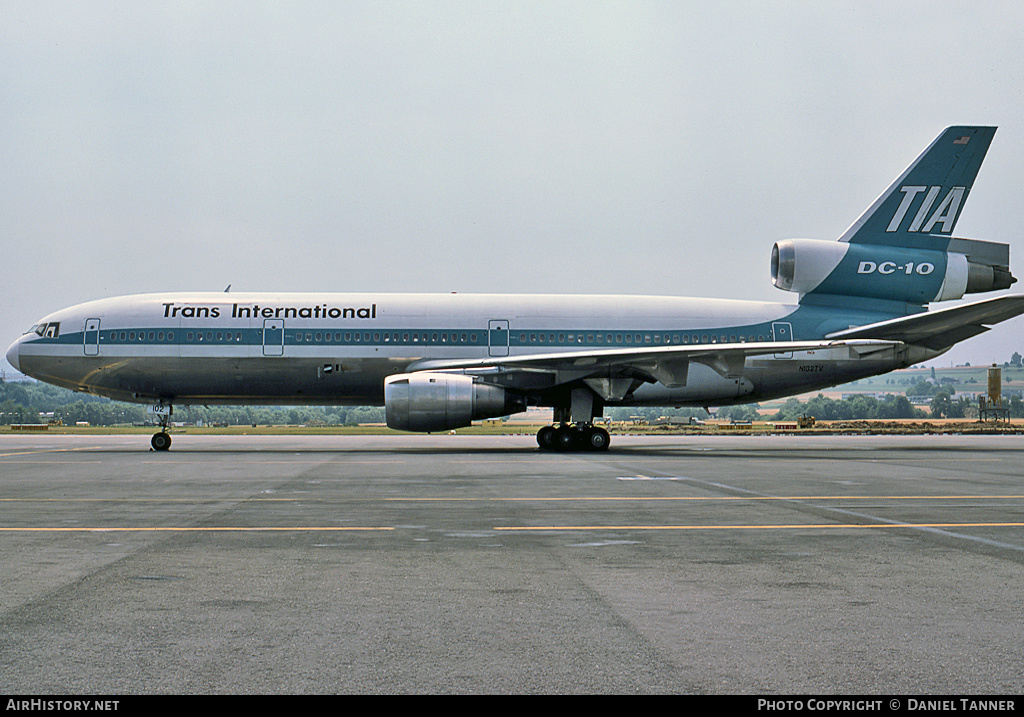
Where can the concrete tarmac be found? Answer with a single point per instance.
(456, 564)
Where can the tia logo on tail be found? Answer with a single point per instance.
(944, 214)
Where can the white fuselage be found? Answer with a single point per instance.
(311, 348)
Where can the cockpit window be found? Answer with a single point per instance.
(47, 331)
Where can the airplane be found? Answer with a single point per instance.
(437, 362)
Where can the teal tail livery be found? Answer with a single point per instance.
(920, 209)
(903, 249)
(438, 362)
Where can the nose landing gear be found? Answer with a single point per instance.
(162, 441)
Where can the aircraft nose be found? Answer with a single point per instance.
(12, 355)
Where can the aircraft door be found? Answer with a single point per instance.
(782, 331)
(92, 337)
(273, 337)
(497, 337)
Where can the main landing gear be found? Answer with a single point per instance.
(573, 437)
(162, 441)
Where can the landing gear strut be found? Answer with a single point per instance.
(162, 441)
(573, 437)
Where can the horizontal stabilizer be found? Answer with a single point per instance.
(940, 329)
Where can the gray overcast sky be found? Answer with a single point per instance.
(582, 147)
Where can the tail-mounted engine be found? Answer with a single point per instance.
(895, 273)
(442, 401)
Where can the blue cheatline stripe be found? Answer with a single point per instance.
(518, 338)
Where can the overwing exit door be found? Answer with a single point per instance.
(497, 337)
(782, 331)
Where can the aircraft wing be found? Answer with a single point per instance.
(611, 371)
(942, 328)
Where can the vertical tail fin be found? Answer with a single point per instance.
(920, 209)
(902, 250)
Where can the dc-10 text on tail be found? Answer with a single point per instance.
(439, 361)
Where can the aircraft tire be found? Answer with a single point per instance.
(573, 438)
(546, 438)
(161, 441)
(565, 438)
(597, 439)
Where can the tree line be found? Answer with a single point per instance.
(29, 401)
(851, 408)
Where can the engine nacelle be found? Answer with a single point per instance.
(443, 401)
(895, 273)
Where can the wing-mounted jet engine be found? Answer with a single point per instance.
(434, 401)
